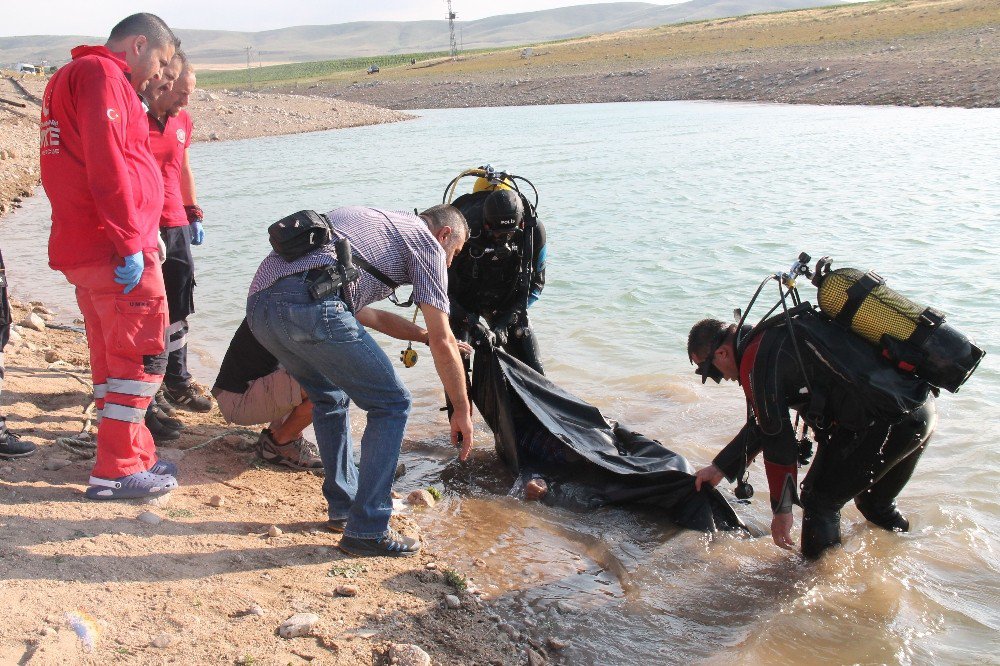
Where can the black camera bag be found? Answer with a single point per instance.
(299, 234)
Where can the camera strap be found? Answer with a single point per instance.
(383, 278)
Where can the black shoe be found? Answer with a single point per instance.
(188, 397)
(391, 544)
(164, 404)
(12, 446)
(886, 516)
(161, 416)
(160, 432)
(820, 531)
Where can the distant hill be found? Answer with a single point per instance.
(366, 38)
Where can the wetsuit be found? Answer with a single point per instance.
(861, 455)
(498, 282)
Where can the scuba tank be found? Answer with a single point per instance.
(913, 338)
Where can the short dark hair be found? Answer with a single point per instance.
(702, 335)
(151, 26)
(446, 215)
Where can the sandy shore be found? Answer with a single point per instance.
(181, 580)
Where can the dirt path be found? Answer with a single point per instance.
(180, 580)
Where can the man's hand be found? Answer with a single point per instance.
(464, 348)
(535, 490)
(461, 433)
(711, 475)
(197, 233)
(130, 273)
(781, 530)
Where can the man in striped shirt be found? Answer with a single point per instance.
(323, 343)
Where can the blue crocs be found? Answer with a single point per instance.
(163, 468)
(140, 484)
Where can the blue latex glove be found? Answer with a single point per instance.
(197, 233)
(130, 274)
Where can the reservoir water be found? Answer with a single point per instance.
(659, 214)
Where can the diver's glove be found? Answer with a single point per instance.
(481, 336)
(194, 217)
(130, 274)
(502, 324)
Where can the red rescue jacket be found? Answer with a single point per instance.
(104, 186)
(169, 143)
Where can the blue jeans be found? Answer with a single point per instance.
(336, 361)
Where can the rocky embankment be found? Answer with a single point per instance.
(958, 69)
(222, 115)
(18, 142)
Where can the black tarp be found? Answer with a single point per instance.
(618, 466)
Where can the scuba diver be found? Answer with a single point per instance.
(500, 272)
(858, 371)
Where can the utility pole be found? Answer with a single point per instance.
(249, 71)
(451, 30)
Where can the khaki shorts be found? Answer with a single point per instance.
(266, 400)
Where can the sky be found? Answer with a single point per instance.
(96, 17)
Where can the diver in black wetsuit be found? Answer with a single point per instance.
(861, 455)
(499, 273)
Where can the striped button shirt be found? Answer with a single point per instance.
(397, 243)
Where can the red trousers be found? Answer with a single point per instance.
(126, 335)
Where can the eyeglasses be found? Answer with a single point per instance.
(706, 369)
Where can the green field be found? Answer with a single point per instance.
(312, 71)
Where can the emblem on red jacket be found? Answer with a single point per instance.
(113, 115)
(181, 135)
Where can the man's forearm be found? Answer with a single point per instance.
(189, 196)
(392, 325)
(451, 371)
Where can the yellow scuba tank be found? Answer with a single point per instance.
(914, 338)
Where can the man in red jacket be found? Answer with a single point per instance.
(170, 130)
(106, 194)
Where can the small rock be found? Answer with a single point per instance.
(558, 643)
(564, 607)
(46, 317)
(161, 641)
(401, 654)
(509, 630)
(479, 562)
(56, 464)
(452, 602)
(51, 356)
(274, 531)
(15, 337)
(213, 137)
(420, 498)
(346, 590)
(161, 501)
(431, 566)
(255, 610)
(535, 659)
(300, 624)
(6, 470)
(41, 309)
(218, 500)
(48, 631)
(149, 518)
(34, 322)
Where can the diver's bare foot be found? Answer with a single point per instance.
(535, 490)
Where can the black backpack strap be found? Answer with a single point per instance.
(856, 295)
